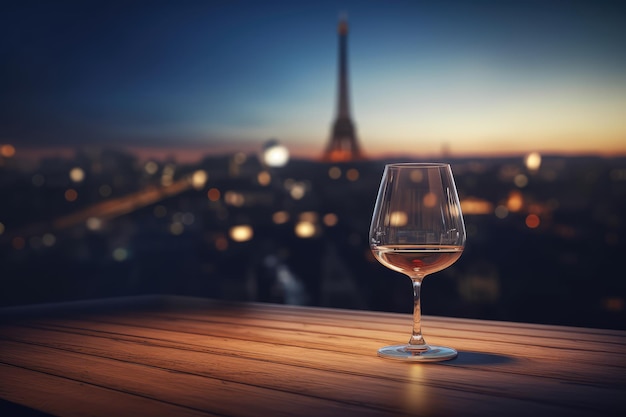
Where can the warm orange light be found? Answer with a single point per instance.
(473, 205)
(532, 221)
(430, 199)
(515, 201)
(7, 151)
(340, 155)
(234, 198)
(71, 195)
(214, 194)
(352, 174)
(280, 217)
(264, 178)
(330, 219)
(77, 174)
(308, 216)
(417, 176)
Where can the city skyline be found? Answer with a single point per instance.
(165, 78)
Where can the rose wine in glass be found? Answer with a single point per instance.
(417, 229)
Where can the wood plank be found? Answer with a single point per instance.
(290, 360)
(71, 398)
(338, 324)
(344, 339)
(205, 393)
(181, 304)
(270, 360)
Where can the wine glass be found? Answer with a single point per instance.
(417, 229)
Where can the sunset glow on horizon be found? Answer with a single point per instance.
(427, 79)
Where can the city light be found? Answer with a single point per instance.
(305, 229)
(275, 155)
(199, 178)
(241, 233)
(8, 151)
(94, 223)
(397, 218)
(234, 198)
(520, 180)
(297, 191)
(515, 201)
(280, 217)
(213, 194)
(167, 177)
(533, 161)
(532, 221)
(151, 167)
(501, 211)
(352, 174)
(77, 174)
(264, 178)
(308, 216)
(473, 205)
(330, 219)
(430, 200)
(416, 176)
(334, 173)
(71, 195)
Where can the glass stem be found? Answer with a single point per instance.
(417, 341)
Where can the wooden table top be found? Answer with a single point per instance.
(180, 356)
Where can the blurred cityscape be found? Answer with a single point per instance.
(545, 234)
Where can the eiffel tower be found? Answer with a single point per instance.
(343, 145)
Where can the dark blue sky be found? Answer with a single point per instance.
(475, 75)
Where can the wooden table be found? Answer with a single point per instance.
(179, 356)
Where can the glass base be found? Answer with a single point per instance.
(409, 354)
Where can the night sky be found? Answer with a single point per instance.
(479, 77)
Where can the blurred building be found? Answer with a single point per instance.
(343, 144)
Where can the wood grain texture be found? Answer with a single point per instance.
(186, 356)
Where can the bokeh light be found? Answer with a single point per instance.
(71, 195)
(533, 161)
(241, 233)
(77, 174)
(305, 229)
